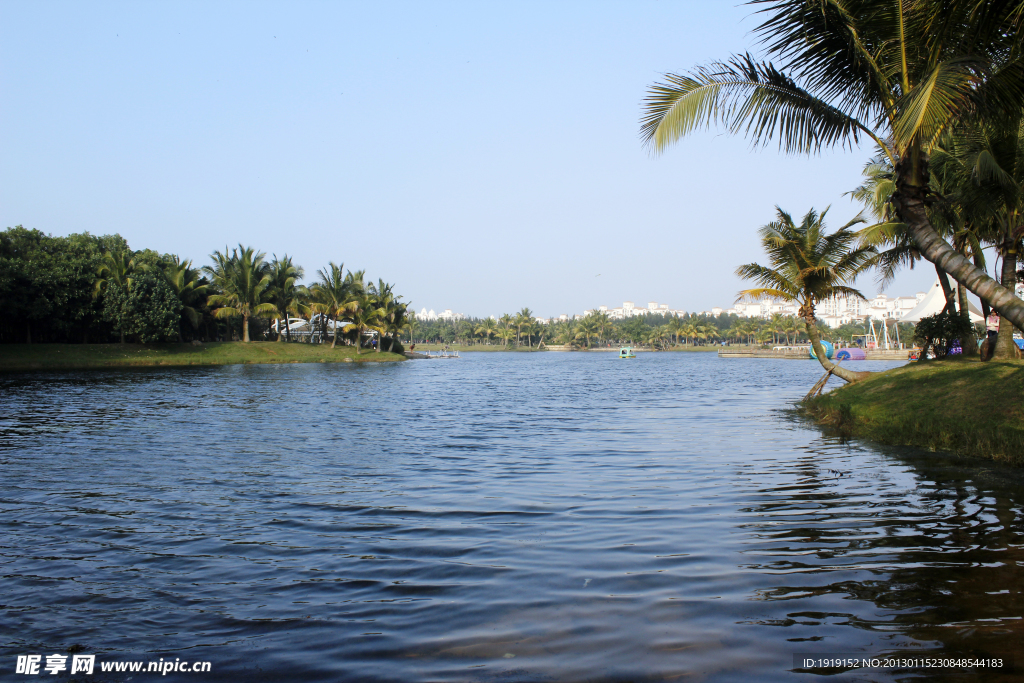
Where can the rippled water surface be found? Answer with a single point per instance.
(501, 517)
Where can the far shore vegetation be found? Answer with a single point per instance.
(87, 290)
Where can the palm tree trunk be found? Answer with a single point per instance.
(819, 351)
(1005, 346)
(910, 206)
(947, 291)
(968, 344)
(359, 339)
(280, 332)
(334, 338)
(245, 328)
(287, 328)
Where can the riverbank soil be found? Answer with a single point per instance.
(963, 406)
(19, 357)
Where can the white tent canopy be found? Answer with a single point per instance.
(934, 301)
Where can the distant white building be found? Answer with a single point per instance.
(629, 309)
(446, 314)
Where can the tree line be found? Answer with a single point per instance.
(85, 288)
(657, 331)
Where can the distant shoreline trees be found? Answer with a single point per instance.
(84, 288)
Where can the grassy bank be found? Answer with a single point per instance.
(18, 357)
(964, 407)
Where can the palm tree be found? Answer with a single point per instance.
(285, 294)
(808, 266)
(364, 315)
(116, 269)
(244, 284)
(585, 329)
(505, 334)
(332, 295)
(396, 320)
(487, 328)
(897, 73)
(388, 306)
(522, 318)
(675, 325)
(190, 287)
(988, 173)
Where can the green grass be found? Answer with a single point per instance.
(19, 357)
(964, 407)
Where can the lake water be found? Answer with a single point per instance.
(501, 517)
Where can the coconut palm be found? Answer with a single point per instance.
(808, 266)
(522, 318)
(586, 329)
(190, 287)
(488, 327)
(331, 295)
(896, 73)
(388, 305)
(988, 173)
(285, 294)
(675, 326)
(505, 334)
(117, 269)
(243, 281)
(362, 313)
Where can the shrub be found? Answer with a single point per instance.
(940, 331)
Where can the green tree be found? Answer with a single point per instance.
(808, 266)
(190, 287)
(524, 317)
(333, 295)
(897, 73)
(146, 308)
(244, 280)
(488, 327)
(363, 315)
(285, 293)
(117, 269)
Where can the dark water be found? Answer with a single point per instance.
(502, 517)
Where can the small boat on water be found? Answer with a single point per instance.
(626, 352)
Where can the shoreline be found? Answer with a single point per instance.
(45, 357)
(964, 407)
(555, 348)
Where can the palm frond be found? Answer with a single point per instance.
(747, 97)
(936, 101)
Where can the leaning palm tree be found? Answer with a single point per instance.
(243, 282)
(898, 73)
(286, 295)
(808, 266)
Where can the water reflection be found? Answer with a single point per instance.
(502, 517)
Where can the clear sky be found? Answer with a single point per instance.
(483, 156)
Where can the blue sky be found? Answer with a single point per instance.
(482, 156)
